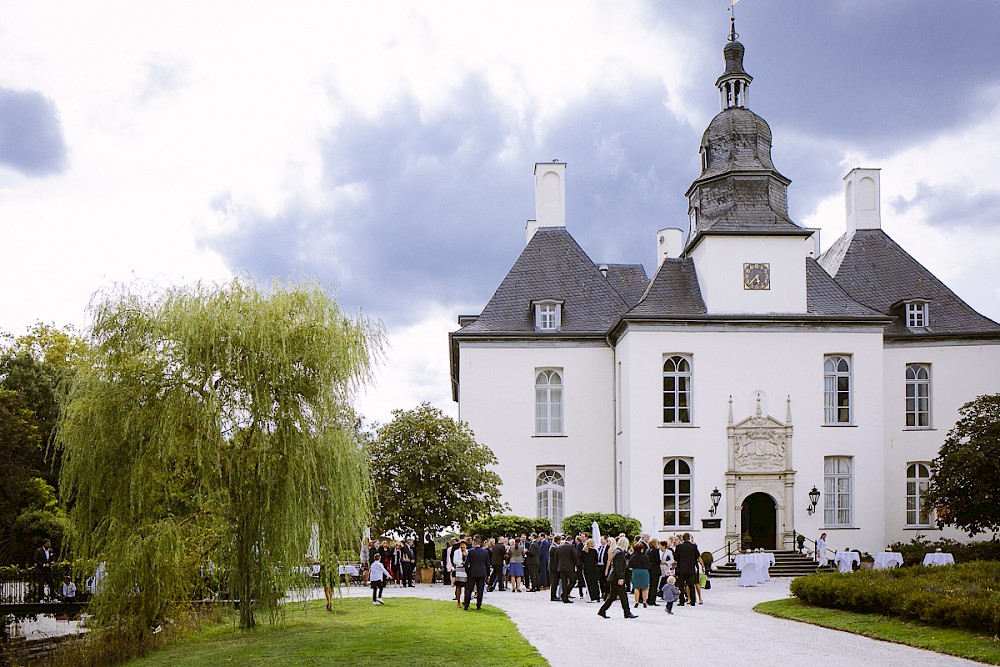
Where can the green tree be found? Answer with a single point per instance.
(20, 441)
(209, 428)
(430, 473)
(964, 475)
(37, 365)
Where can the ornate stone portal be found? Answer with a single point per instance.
(760, 461)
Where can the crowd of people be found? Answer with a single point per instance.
(610, 569)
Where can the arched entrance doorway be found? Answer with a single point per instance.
(759, 519)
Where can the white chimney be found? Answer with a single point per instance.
(669, 243)
(550, 194)
(812, 243)
(530, 227)
(862, 195)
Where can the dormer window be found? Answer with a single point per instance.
(916, 314)
(548, 316)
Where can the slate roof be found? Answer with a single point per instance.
(553, 266)
(877, 272)
(674, 290)
(674, 293)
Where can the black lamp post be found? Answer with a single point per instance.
(716, 497)
(813, 499)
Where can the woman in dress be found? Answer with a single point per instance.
(516, 565)
(638, 562)
(459, 575)
(821, 550)
(589, 568)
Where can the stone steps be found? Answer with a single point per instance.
(786, 564)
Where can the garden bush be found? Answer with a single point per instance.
(507, 525)
(610, 524)
(964, 552)
(966, 595)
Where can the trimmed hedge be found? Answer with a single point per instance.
(507, 525)
(610, 524)
(964, 552)
(965, 596)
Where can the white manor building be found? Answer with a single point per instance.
(748, 363)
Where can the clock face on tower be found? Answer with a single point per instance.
(757, 276)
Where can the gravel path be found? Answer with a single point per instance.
(724, 630)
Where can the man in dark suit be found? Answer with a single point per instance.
(602, 555)
(477, 565)
(687, 556)
(543, 559)
(43, 565)
(531, 564)
(497, 556)
(567, 561)
(553, 568)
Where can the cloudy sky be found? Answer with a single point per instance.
(387, 147)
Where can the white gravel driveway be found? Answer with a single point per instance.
(723, 631)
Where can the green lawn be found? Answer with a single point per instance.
(953, 641)
(404, 631)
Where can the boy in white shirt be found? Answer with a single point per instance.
(377, 576)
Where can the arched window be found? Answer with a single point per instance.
(548, 402)
(550, 490)
(918, 480)
(837, 390)
(677, 391)
(838, 486)
(918, 396)
(676, 493)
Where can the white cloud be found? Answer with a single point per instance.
(962, 160)
(415, 368)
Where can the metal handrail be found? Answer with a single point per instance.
(728, 548)
(805, 539)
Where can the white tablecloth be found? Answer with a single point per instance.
(845, 560)
(938, 558)
(754, 568)
(885, 560)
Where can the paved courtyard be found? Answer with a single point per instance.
(723, 631)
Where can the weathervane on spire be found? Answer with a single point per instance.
(733, 35)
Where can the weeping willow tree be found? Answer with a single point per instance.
(208, 431)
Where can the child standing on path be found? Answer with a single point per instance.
(378, 576)
(670, 594)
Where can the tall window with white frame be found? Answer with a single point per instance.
(676, 493)
(838, 499)
(918, 481)
(837, 389)
(548, 401)
(918, 396)
(550, 491)
(677, 390)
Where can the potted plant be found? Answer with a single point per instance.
(426, 567)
